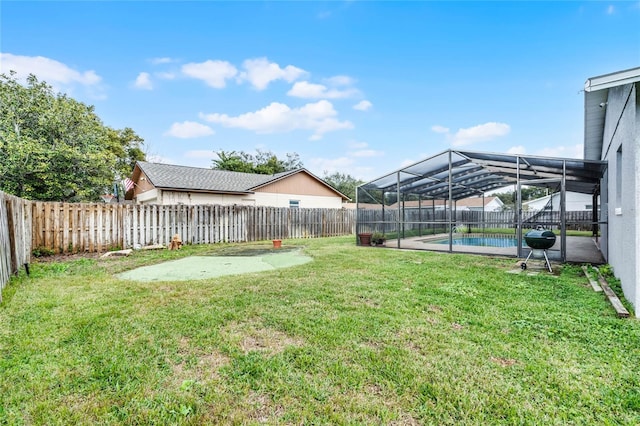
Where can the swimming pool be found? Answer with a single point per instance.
(504, 241)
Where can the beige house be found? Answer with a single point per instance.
(167, 184)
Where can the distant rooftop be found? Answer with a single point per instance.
(185, 178)
(200, 179)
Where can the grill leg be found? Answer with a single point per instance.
(527, 259)
(547, 260)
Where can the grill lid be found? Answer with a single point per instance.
(540, 239)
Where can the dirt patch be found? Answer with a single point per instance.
(432, 321)
(504, 362)
(370, 303)
(373, 389)
(405, 420)
(414, 347)
(376, 346)
(252, 336)
(263, 410)
(196, 365)
(243, 251)
(65, 257)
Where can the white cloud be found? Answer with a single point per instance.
(480, 133)
(306, 90)
(340, 80)
(611, 9)
(363, 105)
(574, 151)
(165, 75)
(439, 129)
(280, 118)
(361, 150)
(517, 150)
(260, 72)
(46, 69)
(357, 145)
(158, 61)
(214, 73)
(188, 130)
(143, 81)
(60, 76)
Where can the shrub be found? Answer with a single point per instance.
(42, 252)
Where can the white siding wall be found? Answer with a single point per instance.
(493, 206)
(575, 202)
(150, 196)
(623, 233)
(255, 199)
(196, 198)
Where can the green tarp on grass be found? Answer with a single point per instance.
(201, 267)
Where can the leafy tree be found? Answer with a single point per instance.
(343, 182)
(54, 148)
(263, 162)
(127, 147)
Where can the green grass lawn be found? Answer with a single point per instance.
(358, 336)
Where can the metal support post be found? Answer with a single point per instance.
(518, 209)
(563, 212)
(450, 205)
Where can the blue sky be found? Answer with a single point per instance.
(357, 87)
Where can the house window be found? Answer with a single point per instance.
(588, 207)
(619, 177)
(294, 204)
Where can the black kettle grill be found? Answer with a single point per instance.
(539, 239)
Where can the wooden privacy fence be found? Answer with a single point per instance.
(66, 228)
(15, 236)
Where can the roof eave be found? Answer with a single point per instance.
(595, 102)
(205, 191)
(614, 79)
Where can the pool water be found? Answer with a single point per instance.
(501, 241)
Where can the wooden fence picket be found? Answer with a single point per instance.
(16, 235)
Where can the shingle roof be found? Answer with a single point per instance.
(199, 179)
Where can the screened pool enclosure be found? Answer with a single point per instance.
(420, 206)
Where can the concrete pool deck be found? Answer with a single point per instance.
(203, 267)
(579, 249)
